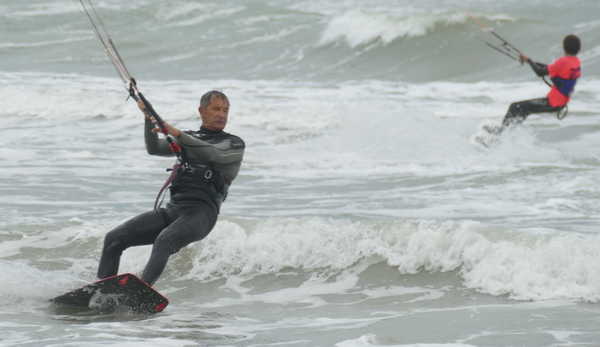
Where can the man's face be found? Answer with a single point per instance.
(214, 115)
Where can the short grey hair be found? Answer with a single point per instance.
(207, 97)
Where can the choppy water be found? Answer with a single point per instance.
(365, 213)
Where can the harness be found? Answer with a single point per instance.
(196, 183)
(160, 197)
(564, 86)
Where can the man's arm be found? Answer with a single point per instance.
(540, 69)
(154, 145)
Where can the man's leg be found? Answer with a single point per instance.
(518, 111)
(192, 224)
(140, 230)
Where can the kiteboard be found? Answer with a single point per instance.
(488, 135)
(113, 293)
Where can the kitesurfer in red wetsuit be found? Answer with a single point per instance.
(564, 73)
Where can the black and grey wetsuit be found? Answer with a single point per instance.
(214, 159)
(197, 192)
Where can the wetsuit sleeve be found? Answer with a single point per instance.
(227, 151)
(154, 145)
(539, 68)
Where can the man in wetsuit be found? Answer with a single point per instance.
(564, 73)
(197, 190)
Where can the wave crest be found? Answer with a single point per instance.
(535, 267)
(358, 27)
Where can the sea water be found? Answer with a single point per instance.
(365, 213)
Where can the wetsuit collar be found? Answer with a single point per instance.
(206, 130)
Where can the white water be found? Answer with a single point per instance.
(365, 214)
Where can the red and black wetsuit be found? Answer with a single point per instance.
(564, 73)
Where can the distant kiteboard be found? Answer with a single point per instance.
(488, 135)
(115, 292)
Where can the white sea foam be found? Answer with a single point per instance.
(422, 294)
(23, 283)
(190, 14)
(308, 293)
(12, 45)
(526, 268)
(371, 340)
(360, 27)
(45, 9)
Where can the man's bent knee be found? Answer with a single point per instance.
(113, 243)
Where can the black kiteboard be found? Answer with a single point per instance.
(109, 294)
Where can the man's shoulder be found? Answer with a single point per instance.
(567, 60)
(564, 64)
(557, 66)
(236, 141)
(574, 60)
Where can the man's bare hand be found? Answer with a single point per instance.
(142, 108)
(170, 129)
(523, 59)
